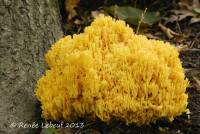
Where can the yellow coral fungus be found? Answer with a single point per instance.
(108, 72)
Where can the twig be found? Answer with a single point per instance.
(181, 48)
(115, 10)
(141, 20)
(194, 40)
(185, 48)
(135, 3)
(179, 28)
(170, 34)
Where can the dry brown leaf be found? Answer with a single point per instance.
(182, 14)
(95, 14)
(173, 18)
(196, 4)
(185, 4)
(187, 8)
(194, 20)
(70, 6)
(77, 22)
(188, 4)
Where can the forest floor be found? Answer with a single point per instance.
(185, 34)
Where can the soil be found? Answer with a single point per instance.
(190, 57)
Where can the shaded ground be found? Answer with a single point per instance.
(190, 56)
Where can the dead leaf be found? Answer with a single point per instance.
(194, 20)
(70, 6)
(187, 9)
(181, 48)
(182, 14)
(195, 4)
(173, 18)
(95, 14)
(197, 10)
(188, 4)
(185, 4)
(77, 22)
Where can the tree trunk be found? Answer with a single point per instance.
(27, 29)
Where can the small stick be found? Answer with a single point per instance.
(194, 40)
(179, 28)
(141, 19)
(181, 48)
(115, 10)
(135, 3)
(170, 34)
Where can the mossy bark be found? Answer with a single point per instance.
(27, 29)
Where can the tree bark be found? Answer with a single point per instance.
(27, 29)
